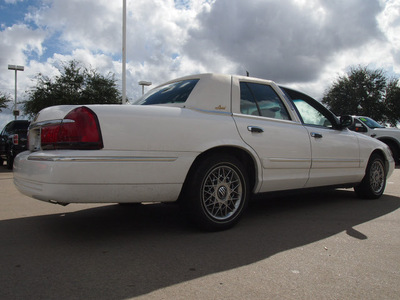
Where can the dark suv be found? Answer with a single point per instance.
(13, 140)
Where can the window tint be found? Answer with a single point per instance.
(310, 115)
(248, 103)
(176, 92)
(311, 111)
(371, 123)
(20, 125)
(15, 126)
(261, 100)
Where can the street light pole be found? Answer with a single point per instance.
(15, 68)
(144, 83)
(123, 51)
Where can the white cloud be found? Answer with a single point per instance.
(12, 1)
(90, 24)
(305, 44)
(389, 22)
(282, 41)
(17, 43)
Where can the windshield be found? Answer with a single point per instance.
(176, 92)
(370, 123)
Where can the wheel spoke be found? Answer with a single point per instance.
(377, 176)
(222, 192)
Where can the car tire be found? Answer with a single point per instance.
(216, 193)
(373, 184)
(10, 161)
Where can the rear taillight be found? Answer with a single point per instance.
(79, 129)
(15, 139)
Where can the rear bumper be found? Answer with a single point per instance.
(94, 193)
(82, 177)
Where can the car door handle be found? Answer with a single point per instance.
(255, 129)
(373, 135)
(316, 135)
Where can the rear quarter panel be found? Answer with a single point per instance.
(161, 128)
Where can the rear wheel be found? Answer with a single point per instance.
(10, 161)
(373, 184)
(217, 192)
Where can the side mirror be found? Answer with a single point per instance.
(346, 121)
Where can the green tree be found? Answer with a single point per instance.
(392, 100)
(361, 92)
(3, 100)
(75, 86)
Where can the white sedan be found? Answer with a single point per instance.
(209, 141)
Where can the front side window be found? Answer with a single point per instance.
(176, 92)
(310, 115)
(311, 111)
(261, 100)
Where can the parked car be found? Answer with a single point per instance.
(208, 141)
(13, 140)
(390, 136)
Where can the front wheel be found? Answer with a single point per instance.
(217, 192)
(373, 184)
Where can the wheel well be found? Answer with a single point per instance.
(394, 148)
(240, 154)
(390, 143)
(383, 156)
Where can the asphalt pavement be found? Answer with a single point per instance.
(325, 245)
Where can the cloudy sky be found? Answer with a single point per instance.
(305, 44)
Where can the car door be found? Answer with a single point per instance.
(266, 124)
(335, 151)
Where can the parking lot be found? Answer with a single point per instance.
(325, 245)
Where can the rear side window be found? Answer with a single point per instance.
(176, 92)
(261, 100)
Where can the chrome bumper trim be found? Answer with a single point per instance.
(102, 159)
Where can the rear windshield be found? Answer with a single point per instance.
(176, 92)
(20, 125)
(17, 125)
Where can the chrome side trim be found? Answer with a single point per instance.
(291, 160)
(316, 160)
(102, 159)
(333, 160)
(49, 122)
(211, 111)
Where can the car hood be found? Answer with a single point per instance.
(385, 131)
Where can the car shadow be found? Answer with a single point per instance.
(119, 252)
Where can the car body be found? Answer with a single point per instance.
(13, 140)
(208, 140)
(390, 136)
